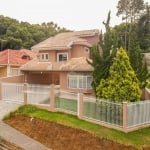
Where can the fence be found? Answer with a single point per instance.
(38, 94)
(138, 113)
(13, 92)
(122, 116)
(66, 101)
(103, 111)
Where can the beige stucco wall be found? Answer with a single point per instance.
(74, 52)
(79, 51)
(63, 81)
(53, 54)
(92, 39)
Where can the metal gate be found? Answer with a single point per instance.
(36, 94)
(13, 92)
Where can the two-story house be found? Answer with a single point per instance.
(62, 60)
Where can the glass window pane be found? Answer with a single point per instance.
(80, 81)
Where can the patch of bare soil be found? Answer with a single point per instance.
(60, 137)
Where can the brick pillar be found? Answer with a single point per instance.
(25, 93)
(0, 90)
(124, 116)
(52, 97)
(80, 105)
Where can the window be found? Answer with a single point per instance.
(87, 50)
(44, 57)
(62, 56)
(14, 71)
(80, 81)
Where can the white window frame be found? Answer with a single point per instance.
(79, 81)
(14, 71)
(44, 56)
(65, 53)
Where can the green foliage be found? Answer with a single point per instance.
(122, 35)
(148, 84)
(16, 35)
(97, 63)
(143, 30)
(122, 83)
(130, 36)
(136, 56)
(130, 9)
(102, 55)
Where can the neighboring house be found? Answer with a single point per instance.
(11, 60)
(62, 60)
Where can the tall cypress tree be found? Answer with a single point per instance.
(136, 56)
(102, 55)
(143, 30)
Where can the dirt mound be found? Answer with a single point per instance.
(59, 137)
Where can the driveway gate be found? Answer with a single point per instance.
(13, 92)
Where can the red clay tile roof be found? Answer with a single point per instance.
(29, 53)
(13, 57)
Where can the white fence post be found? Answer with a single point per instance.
(1, 91)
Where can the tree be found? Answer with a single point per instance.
(122, 34)
(143, 30)
(122, 83)
(102, 55)
(97, 64)
(137, 59)
(130, 9)
(16, 35)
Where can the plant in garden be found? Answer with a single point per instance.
(122, 83)
(137, 59)
(102, 55)
(148, 84)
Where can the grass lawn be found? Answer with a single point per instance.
(137, 138)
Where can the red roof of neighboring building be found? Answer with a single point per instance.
(14, 57)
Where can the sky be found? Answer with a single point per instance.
(71, 14)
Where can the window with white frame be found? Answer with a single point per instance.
(14, 71)
(44, 57)
(62, 56)
(79, 81)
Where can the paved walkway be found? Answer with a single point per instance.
(12, 135)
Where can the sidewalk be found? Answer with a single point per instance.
(12, 135)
